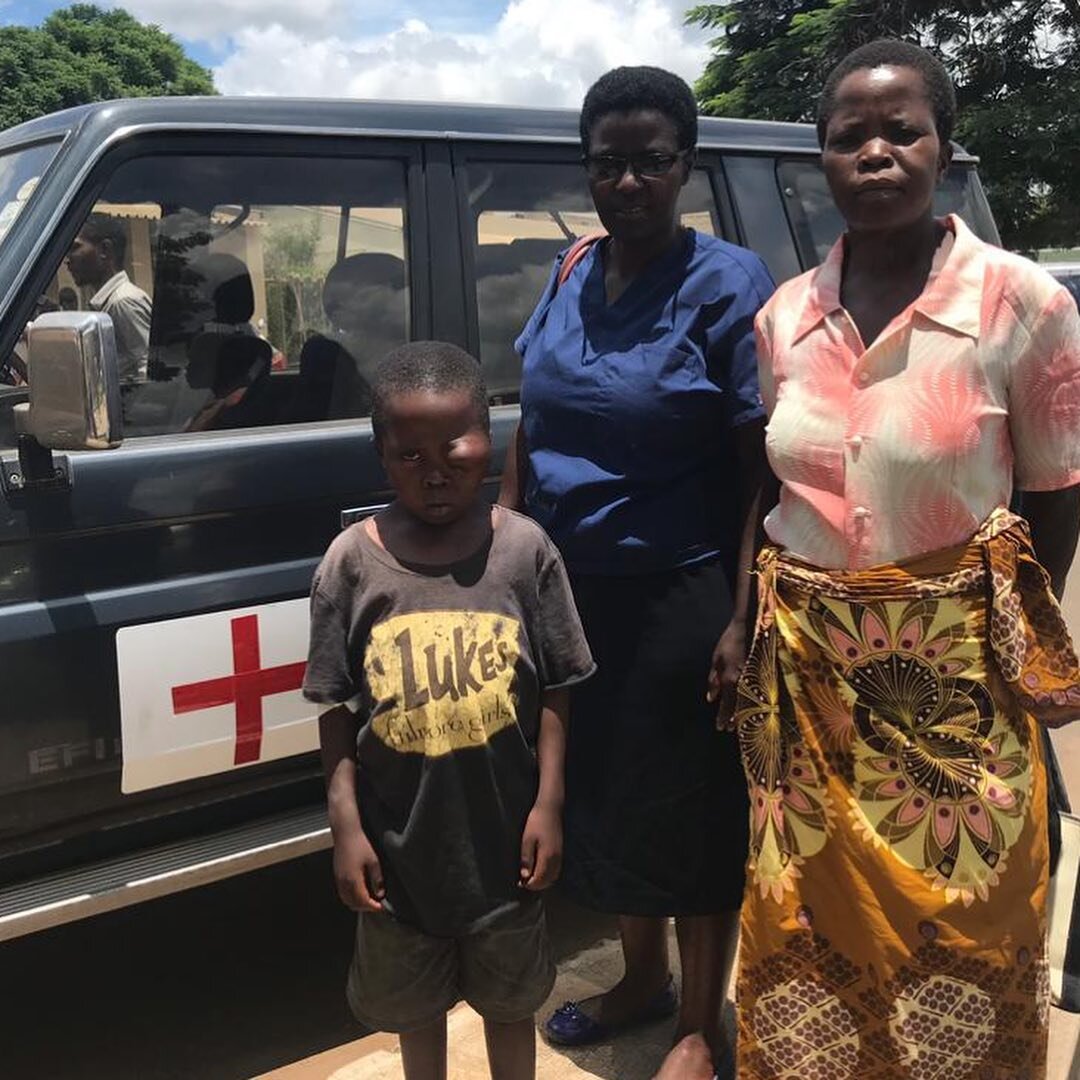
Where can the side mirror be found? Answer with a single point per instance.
(74, 381)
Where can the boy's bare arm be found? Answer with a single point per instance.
(356, 866)
(541, 842)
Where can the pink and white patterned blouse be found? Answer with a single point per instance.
(892, 451)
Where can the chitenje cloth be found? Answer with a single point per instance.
(895, 916)
(447, 666)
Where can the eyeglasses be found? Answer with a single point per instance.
(606, 168)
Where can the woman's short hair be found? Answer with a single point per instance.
(889, 52)
(629, 89)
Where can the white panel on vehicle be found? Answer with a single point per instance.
(209, 693)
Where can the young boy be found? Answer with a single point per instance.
(444, 635)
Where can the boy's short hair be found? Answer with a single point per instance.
(435, 366)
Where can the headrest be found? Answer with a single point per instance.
(497, 260)
(226, 284)
(363, 271)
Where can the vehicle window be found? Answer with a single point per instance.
(1069, 276)
(20, 171)
(244, 291)
(524, 214)
(817, 223)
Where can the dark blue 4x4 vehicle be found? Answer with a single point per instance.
(1069, 276)
(153, 621)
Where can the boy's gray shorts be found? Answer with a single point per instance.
(402, 979)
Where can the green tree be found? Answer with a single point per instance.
(81, 54)
(1016, 66)
(294, 282)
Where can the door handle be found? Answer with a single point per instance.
(358, 513)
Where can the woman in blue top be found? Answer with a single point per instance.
(641, 442)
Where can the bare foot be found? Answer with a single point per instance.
(689, 1060)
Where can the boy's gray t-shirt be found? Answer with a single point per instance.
(447, 665)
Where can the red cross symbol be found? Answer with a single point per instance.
(245, 688)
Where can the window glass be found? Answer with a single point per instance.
(524, 214)
(20, 171)
(817, 222)
(1069, 276)
(244, 291)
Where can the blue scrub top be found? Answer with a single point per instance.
(628, 408)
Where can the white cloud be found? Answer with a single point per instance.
(539, 52)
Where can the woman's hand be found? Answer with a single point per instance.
(511, 483)
(357, 872)
(728, 659)
(541, 848)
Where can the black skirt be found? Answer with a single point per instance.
(657, 817)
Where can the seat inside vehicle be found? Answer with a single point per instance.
(227, 357)
(364, 298)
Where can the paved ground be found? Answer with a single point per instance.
(1067, 744)
(244, 979)
(588, 962)
(1067, 740)
(589, 970)
(632, 1057)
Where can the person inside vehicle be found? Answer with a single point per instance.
(69, 299)
(96, 261)
(228, 357)
(909, 644)
(641, 439)
(364, 297)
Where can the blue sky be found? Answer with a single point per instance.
(505, 51)
(455, 16)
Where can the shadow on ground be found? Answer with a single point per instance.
(219, 983)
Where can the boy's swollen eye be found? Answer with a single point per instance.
(463, 451)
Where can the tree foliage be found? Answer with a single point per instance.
(81, 54)
(294, 283)
(1016, 66)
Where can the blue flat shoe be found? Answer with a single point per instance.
(569, 1025)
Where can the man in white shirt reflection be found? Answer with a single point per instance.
(96, 259)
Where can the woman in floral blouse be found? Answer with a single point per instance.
(908, 644)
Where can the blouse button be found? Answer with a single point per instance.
(863, 378)
(855, 442)
(860, 513)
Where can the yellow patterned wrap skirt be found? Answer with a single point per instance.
(895, 917)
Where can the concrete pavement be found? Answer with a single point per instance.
(1065, 1044)
(596, 964)
(582, 973)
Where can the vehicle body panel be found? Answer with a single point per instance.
(230, 524)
